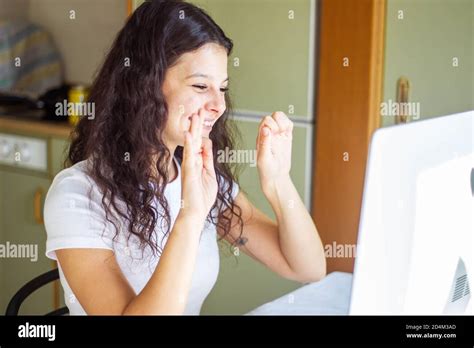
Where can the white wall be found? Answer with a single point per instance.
(83, 41)
(13, 8)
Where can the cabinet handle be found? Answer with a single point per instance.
(37, 206)
(403, 94)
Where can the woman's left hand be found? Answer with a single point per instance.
(275, 135)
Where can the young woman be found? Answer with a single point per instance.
(134, 221)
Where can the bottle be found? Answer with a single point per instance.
(77, 95)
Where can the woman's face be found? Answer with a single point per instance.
(196, 83)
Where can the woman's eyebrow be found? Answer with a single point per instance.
(203, 75)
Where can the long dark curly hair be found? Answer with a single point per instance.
(130, 117)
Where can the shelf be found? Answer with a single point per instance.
(35, 127)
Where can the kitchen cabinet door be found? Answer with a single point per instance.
(23, 232)
(2, 238)
(59, 149)
(243, 283)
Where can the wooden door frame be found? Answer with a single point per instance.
(348, 97)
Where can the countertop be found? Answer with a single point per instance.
(29, 126)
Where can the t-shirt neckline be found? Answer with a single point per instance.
(178, 168)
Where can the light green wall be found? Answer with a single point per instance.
(422, 46)
(136, 3)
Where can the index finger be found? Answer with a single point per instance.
(200, 125)
(196, 132)
(188, 151)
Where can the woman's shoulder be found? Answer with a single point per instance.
(73, 212)
(80, 168)
(72, 182)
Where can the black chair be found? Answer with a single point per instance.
(30, 287)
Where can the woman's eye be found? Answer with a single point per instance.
(201, 87)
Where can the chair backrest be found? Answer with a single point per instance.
(30, 287)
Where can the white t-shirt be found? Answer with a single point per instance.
(74, 218)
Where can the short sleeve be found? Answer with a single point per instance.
(73, 214)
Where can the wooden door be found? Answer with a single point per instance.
(351, 40)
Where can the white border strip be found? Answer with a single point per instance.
(250, 115)
(309, 167)
(311, 59)
(259, 114)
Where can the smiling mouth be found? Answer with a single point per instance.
(207, 124)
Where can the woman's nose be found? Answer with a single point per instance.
(216, 103)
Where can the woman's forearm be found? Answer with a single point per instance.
(299, 239)
(167, 290)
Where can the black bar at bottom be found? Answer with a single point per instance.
(289, 330)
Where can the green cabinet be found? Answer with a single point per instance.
(23, 237)
(2, 219)
(22, 232)
(58, 153)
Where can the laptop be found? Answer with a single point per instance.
(415, 244)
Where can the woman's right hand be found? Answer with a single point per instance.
(198, 181)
